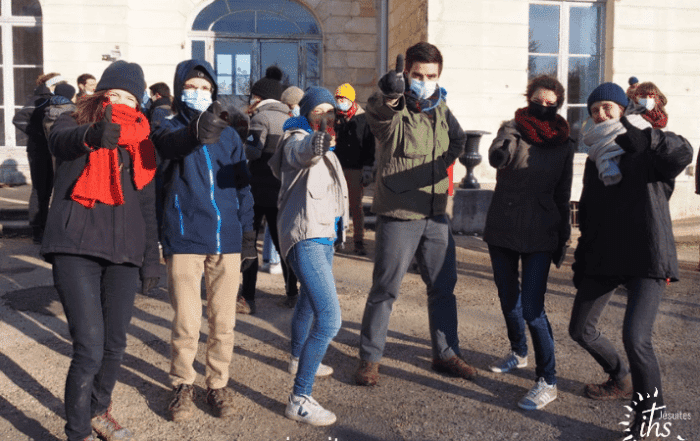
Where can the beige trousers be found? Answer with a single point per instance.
(221, 276)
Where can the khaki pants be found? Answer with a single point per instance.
(353, 178)
(221, 276)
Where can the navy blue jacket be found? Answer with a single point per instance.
(205, 209)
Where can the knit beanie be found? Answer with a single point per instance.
(65, 90)
(345, 91)
(269, 87)
(632, 81)
(124, 76)
(314, 96)
(291, 96)
(607, 92)
(199, 72)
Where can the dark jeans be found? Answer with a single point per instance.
(250, 276)
(41, 172)
(524, 302)
(397, 241)
(97, 297)
(643, 299)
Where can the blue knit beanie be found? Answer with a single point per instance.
(124, 76)
(313, 96)
(607, 92)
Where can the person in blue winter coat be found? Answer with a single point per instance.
(207, 226)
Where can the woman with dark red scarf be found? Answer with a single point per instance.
(654, 101)
(96, 238)
(528, 222)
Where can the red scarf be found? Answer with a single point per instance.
(542, 133)
(656, 117)
(100, 180)
(349, 113)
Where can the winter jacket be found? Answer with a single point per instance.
(626, 228)
(207, 204)
(314, 192)
(115, 233)
(159, 110)
(354, 141)
(29, 120)
(413, 151)
(266, 131)
(58, 105)
(529, 211)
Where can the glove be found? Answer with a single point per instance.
(148, 284)
(367, 175)
(498, 157)
(104, 133)
(559, 255)
(209, 125)
(249, 252)
(392, 84)
(635, 140)
(321, 140)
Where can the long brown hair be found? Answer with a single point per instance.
(89, 108)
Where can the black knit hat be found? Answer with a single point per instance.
(65, 90)
(269, 87)
(124, 76)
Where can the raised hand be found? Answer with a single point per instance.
(321, 140)
(104, 133)
(635, 140)
(210, 124)
(392, 84)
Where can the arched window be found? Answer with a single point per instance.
(241, 38)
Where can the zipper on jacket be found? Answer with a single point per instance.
(213, 200)
(179, 214)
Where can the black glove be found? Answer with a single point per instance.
(392, 84)
(249, 251)
(104, 133)
(559, 255)
(209, 125)
(635, 140)
(498, 157)
(148, 284)
(321, 140)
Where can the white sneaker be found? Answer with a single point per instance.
(323, 370)
(275, 268)
(510, 362)
(539, 396)
(305, 409)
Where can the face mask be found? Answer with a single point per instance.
(648, 103)
(196, 99)
(423, 90)
(345, 106)
(296, 111)
(89, 92)
(542, 112)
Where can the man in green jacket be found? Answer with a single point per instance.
(418, 139)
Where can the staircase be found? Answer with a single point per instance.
(13, 211)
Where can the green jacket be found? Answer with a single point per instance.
(413, 150)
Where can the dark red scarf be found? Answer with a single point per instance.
(349, 113)
(100, 180)
(656, 117)
(542, 133)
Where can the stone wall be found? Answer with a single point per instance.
(408, 25)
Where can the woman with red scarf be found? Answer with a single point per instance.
(96, 238)
(528, 222)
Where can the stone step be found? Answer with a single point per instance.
(13, 213)
(14, 228)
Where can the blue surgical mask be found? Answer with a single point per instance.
(648, 103)
(345, 106)
(199, 100)
(295, 111)
(423, 90)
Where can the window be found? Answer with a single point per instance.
(241, 38)
(566, 40)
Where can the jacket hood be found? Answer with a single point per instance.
(182, 70)
(272, 105)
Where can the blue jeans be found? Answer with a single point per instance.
(269, 254)
(397, 241)
(525, 304)
(98, 298)
(317, 314)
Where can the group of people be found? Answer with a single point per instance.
(199, 176)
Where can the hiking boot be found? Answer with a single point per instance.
(323, 370)
(89, 438)
(454, 366)
(221, 401)
(367, 373)
(290, 302)
(109, 429)
(182, 407)
(242, 306)
(539, 396)
(510, 362)
(360, 248)
(610, 390)
(305, 409)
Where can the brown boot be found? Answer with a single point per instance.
(610, 390)
(367, 373)
(454, 366)
(221, 401)
(109, 429)
(242, 306)
(182, 407)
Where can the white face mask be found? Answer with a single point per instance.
(295, 111)
(648, 103)
(196, 99)
(423, 90)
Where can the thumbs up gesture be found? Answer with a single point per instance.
(392, 83)
(104, 133)
(210, 124)
(321, 140)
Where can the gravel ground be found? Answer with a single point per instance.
(411, 403)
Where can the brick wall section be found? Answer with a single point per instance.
(408, 25)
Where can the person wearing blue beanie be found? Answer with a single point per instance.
(314, 96)
(608, 92)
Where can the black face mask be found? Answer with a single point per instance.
(542, 112)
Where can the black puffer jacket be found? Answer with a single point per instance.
(626, 228)
(30, 118)
(116, 233)
(354, 142)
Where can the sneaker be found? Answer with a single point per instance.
(512, 361)
(305, 409)
(221, 401)
(610, 390)
(367, 373)
(182, 406)
(242, 307)
(109, 429)
(454, 366)
(275, 268)
(539, 396)
(89, 438)
(360, 248)
(323, 370)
